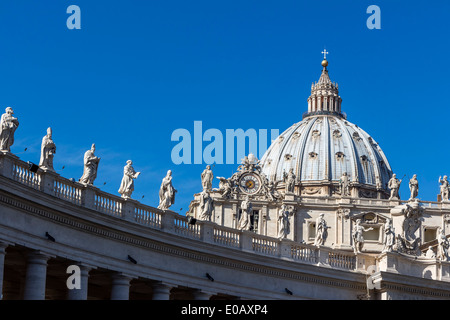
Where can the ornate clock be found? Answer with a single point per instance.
(249, 183)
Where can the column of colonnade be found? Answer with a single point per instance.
(36, 272)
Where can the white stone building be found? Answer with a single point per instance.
(318, 217)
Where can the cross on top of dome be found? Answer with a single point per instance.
(325, 61)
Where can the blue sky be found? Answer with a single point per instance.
(138, 70)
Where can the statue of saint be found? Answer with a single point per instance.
(127, 184)
(389, 236)
(225, 187)
(207, 177)
(443, 246)
(394, 185)
(344, 184)
(357, 235)
(246, 211)
(8, 125)
(90, 166)
(48, 149)
(414, 187)
(166, 192)
(289, 180)
(283, 221)
(444, 189)
(321, 230)
(206, 205)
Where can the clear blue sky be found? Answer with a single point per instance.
(138, 70)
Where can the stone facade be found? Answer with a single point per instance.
(267, 232)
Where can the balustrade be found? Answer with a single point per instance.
(67, 190)
(21, 173)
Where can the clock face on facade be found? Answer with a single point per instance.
(249, 183)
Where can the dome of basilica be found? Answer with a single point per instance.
(324, 149)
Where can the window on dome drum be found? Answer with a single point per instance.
(429, 234)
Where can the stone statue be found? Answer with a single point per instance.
(407, 241)
(411, 222)
(344, 184)
(206, 205)
(246, 211)
(166, 192)
(444, 189)
(8, 125)
(389, 236)
(430, 253)
(284, 221)
(90, 166)
(357, 235)
(271, 190)
(249, 163)
(321, 231)
(414, 187)
(394, 185)
(225, 187)
(289, 180)
(127, 184)
(207, 177)
(48, 149)
(443, 246)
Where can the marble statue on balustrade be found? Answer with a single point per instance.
(246, 211)
(207, 178)
(388, 236)
(344, 185)
(321, 230)
(394, 186)
(48, 150)
(358, 237)
(444, 188)
(8, 126)
(90, 166)
(414, 187)
(289, 180)
(206, 205)
(127, 184)
(284, 223)
(443, 246)
(166, 192)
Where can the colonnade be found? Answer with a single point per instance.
(34, 282)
